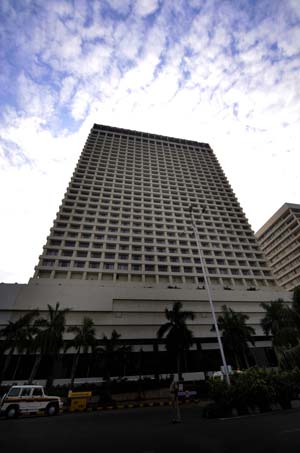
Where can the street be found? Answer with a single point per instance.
(150, 430)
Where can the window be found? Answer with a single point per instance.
(81, 254)
(175, 268)
(26, 391)
(110, 256)
(37, 392)
(14, 391)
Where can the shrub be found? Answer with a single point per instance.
(286, 386)
(220, 392)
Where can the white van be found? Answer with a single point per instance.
(25, 399)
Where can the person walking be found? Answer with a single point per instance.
(174, 388)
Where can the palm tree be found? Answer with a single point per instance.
(296, 309)
(296, 298)
(17, 337)
(283, 322)
(178, 336)
(109, 350)
(236, 334)
(84, 340)
(279, 321)
(49, 338)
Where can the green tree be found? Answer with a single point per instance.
(178, 336)
(48, 339)
(280, 322)
(290, 348)
(236, 334)
(83, 341)
(17, 336)
(295, 309)
(110, 351)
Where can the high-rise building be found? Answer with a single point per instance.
(279, 239)
(125, 217)
(122, 247)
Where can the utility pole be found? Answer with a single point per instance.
(208, 288)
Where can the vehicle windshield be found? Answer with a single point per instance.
(15, 391)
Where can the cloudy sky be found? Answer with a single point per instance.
(222, 72)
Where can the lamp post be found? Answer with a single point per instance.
(208, 288)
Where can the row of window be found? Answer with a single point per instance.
(108, 162)
(148, 237)
(167, 280)
(152, 258)
(210, 255)
(146, 240)
(277, 227)
(151, 268)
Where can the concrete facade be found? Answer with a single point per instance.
(279, 239)
(136, 313)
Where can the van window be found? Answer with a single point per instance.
(37, 392)
(26, 391)
(15, 391)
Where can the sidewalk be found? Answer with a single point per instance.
(126, 401)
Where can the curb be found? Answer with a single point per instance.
(130, 406)
(66, 410)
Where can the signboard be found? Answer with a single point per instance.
(79, 394)
(229, 368)
(187, 393)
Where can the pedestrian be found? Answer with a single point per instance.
(174, 388)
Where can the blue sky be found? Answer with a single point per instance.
(222, 72)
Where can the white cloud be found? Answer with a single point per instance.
(145, 7)
(35, 99)
(120, 6)
(80, 105)
(34, 193)
(128, 40)
(163, 77)
(67, 89)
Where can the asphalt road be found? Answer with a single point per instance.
(150, 430)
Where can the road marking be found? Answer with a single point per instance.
(291, 430)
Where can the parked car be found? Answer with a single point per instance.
(24, 399)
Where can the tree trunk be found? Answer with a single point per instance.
(124, 358)
(50, 379)
(74, 367)
(16, 367)
(35, 367)
(246, 359)
(107, 383)
(177, 418)
(236, 359)
(185, 367)
(6, 364)
(156, 356)
(178, 366)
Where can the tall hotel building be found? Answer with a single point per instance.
(125, 217)
(122, 247)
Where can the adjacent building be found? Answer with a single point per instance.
(279, 239)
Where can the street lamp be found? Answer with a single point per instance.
(207, 286)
